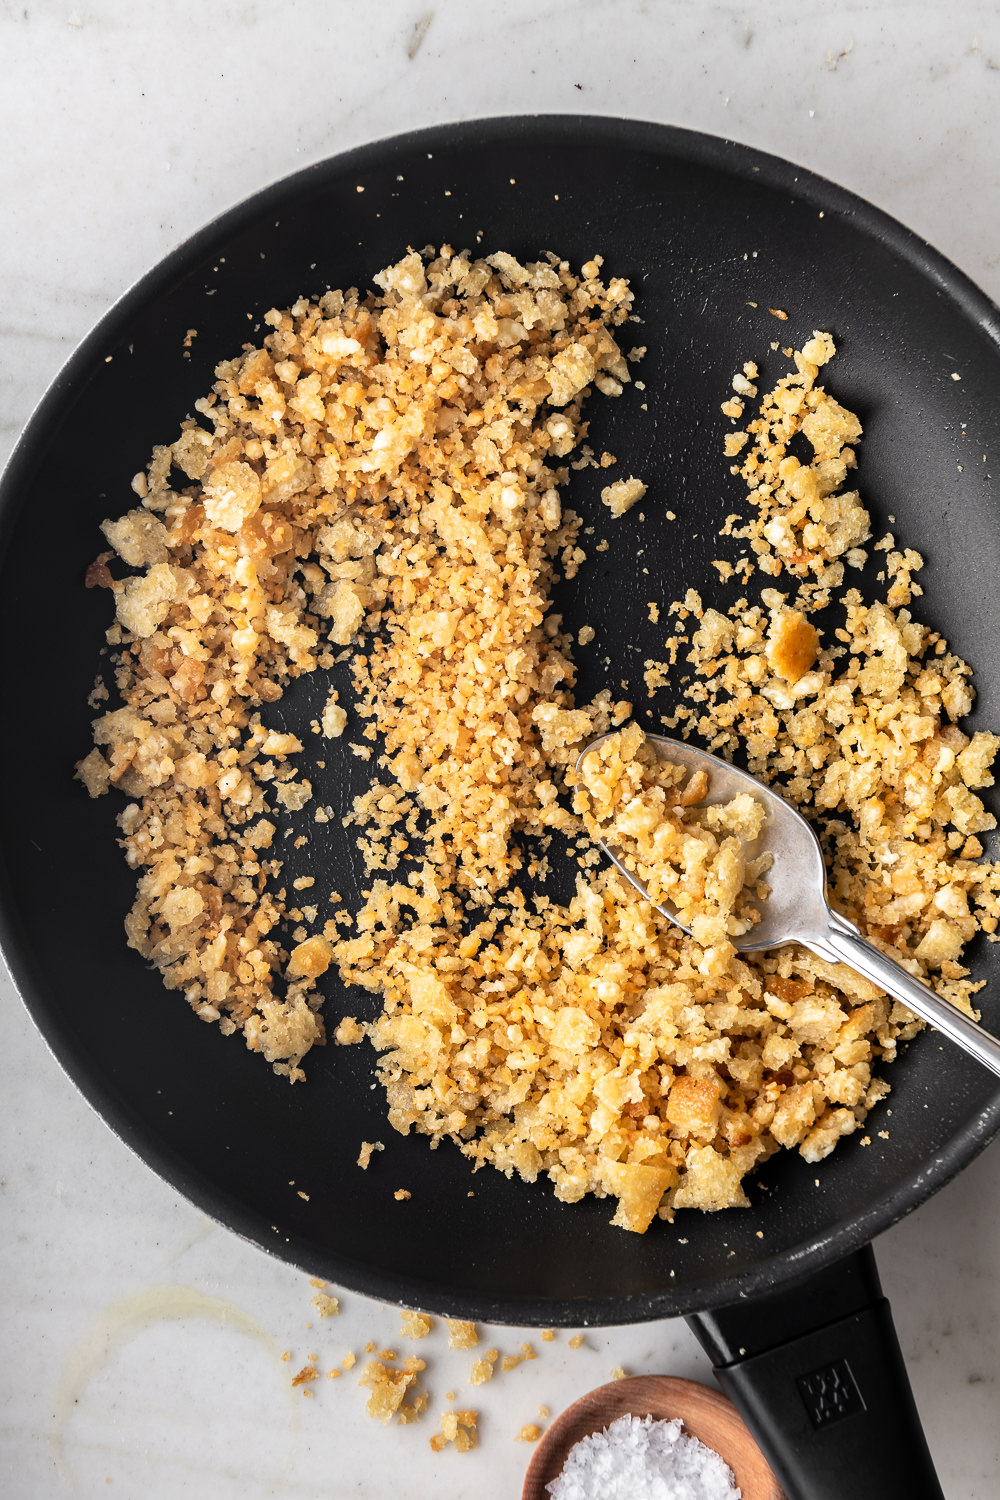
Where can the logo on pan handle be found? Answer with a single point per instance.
(830, 1393)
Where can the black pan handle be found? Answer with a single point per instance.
(818, 1376)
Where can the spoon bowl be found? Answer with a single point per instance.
(797, 910)
(797, 874)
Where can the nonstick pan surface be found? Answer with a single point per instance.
(703, 229)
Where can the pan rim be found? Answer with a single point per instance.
(670, 142)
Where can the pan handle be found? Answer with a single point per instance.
(817, 1373)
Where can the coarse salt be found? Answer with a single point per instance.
(640, 1458)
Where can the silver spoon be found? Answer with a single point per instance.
(797, 910)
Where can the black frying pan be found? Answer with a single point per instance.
(702, 228)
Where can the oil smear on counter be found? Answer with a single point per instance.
(120, 1321)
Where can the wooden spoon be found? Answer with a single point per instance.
(707, 1415)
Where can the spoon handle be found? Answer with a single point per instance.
(842, 941)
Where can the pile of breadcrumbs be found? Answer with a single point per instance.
(384, 475)
(693, 858)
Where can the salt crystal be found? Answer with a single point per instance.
(640, 1458)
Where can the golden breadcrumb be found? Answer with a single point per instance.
(461, 1335)
(457, 1428)
(328, 1306)
(482, 1369)
(415, 1325)
(389, 1384)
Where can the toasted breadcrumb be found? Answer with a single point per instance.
(411, 1411)
(482, 1369)
(368, 1148)
(415, 1325)
(388, 1384)
(461, 1335)
(792, 645)
(576, 1342)
(327, 1306)
(402, 1195)
(347, 1032)
(334, 719)
(529, 1433)
(308, 1372)
(623, 494)
(457, 1428)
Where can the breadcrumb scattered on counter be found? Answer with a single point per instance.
(461, 1335)
(308, 1373)
(415, 1325)
(511, 1361)
(482, 1369)
(389, 1384)
(457, 1428)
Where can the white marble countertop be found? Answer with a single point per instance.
(140, 1341)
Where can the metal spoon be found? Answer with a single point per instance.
(797, 910)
